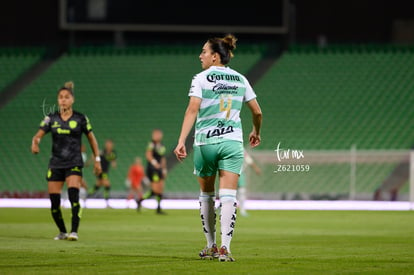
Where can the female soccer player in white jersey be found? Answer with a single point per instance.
(216, 98)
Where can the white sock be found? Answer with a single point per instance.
(228, 215)
(208, 216)
(241, 194)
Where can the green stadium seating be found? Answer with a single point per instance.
(15, 61)
(125, 93)
(336, 97)
(331, 99)
(312, 99)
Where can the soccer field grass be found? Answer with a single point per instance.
(114, 241)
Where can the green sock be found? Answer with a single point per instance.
(106, 192)
(159, 198)
(148, 195)
(93, 190)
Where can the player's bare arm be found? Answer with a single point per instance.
(36, 141)
(254, 137)
(97, 169)
(189, 119)
(164, 166)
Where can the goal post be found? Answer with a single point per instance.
(332, 175)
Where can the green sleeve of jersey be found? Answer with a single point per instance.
(163, 151)
(150, 146)
(45, 124)
(86, 125)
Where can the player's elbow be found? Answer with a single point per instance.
(255, 108)
(257, 114)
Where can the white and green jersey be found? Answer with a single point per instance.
(222, 91)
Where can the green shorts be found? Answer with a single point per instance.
(227, 155)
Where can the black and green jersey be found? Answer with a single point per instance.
(106, 159)
(158, 151)
(66, 138)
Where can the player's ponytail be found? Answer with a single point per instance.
(230, 40)
(68, 86)
(224, 47)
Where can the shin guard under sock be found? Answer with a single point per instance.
(228, 204)
(76, 209)
(208, 217)
(56, 212)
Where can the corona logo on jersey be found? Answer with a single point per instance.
(228, 77)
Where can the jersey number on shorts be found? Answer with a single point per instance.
(225, 107)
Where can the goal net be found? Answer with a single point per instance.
(331, 175)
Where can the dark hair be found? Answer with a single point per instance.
(224, 47)
(69, 87)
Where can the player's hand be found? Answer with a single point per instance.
(180, 151)
(35, 145)
(97, 169)
(35, 148)
(254, 139)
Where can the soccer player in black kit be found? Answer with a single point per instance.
(66, 127)
(156, 168)
(108, 157)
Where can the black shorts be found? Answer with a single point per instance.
(60, 174)
(154, 175)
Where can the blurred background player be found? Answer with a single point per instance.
(136, 175)
(108, 159)
(241, 184)
(83, 190)
(156, 168)
(66, 126)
